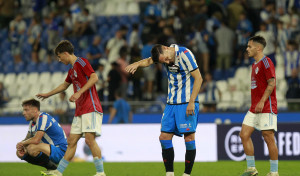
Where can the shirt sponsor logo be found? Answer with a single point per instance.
(253, 84)
(173, 68)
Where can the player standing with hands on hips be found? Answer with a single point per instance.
(88, 114)
(180, 116)
(262, 114)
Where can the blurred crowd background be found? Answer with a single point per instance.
(112, 34)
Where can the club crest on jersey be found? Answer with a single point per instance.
(173, 68)
(75, 73)
(256, 70)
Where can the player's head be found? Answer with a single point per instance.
(256, 45)
(31, 109)
(161, 54)
(63, 50)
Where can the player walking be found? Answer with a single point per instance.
(88, 114)
(262, 114)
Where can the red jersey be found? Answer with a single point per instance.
(262, 71)
(78, 75)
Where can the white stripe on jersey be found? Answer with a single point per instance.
(172, 81)
(48, 139)
(187, 82)
(44, 122)
(179, 91)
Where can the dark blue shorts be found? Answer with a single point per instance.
(175, 120)
(56, 154)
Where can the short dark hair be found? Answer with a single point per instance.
(259, 39)
(31, 102)
(155, 52)
(64, 46)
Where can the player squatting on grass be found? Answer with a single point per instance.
(45, 143)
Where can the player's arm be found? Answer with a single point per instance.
(142, 63)
(62, 87)
(260, 105)
(112, 115)
(20, 144)
(36, 139)
(92, 81)
(190, 110)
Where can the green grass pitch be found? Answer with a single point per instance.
(220, 168)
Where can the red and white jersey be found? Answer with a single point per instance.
(78, 75)
(262, 71)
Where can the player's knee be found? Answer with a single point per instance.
(268, 138)
(32, 150)
(89, 141)
(243, 136)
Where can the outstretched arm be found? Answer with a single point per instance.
(142, 63)
(260, 105)
(58, 89)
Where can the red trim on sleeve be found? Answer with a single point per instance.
(185, 51)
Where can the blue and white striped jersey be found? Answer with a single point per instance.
(54, 134)
(179, 76)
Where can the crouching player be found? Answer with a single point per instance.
(45, 143)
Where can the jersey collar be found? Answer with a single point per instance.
(260, 60)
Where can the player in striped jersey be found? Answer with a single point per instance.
(262, 114)
(180, 116)
(46, 142)
(88, 113)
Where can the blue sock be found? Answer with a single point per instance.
(190, 145)
(62, 165)
(274, 165)
(165, 144)
(250, 161)
(99, 164)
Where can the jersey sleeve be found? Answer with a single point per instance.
(87, 68)
(189, 60)
(68, 78)
(44, 123)
(269, 70)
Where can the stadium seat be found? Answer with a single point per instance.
(34, 89)
(282, 86)
(9, 79)
(22, 79)
(121, 8)
(43, 67)
(32, 78)
(218, 74)
(19, 67)
(12, 89)
(241, 73)
(133, 8)
(280, 73)
(1, 77)
(31, 67)
(222, 85)
(57, 78)
(225, 102)
(110, 8)
(8, 67)
(54, 66)
(44, 78)
(238, 99)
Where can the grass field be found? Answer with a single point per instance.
(220, 168)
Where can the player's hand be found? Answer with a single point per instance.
(259, 107)
(132, 68)
(75, 97)
(19, 146)
(190, 109)
(42, 96)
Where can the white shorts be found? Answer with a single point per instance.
(87, 123)
(261, 121)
